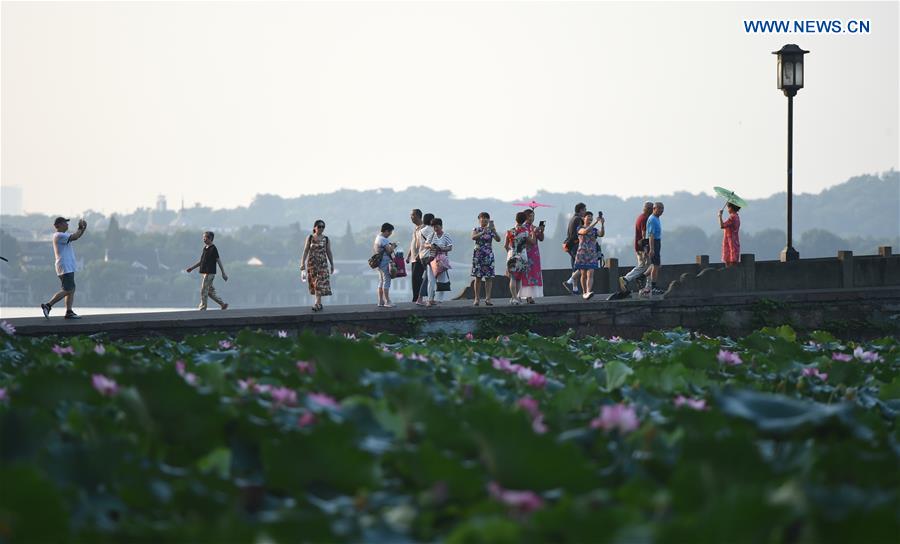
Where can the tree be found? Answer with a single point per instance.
(113, 236)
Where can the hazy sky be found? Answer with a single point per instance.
(106, 105)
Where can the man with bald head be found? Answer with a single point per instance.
(654, 239)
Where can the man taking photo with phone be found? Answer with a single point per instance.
(64, 253)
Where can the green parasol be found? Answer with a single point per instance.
(729, 196)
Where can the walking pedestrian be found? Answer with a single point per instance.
(731, 240)
(516, 243)
(654, 237)
(587, 258)
(386, 248)
(209, 258)
(318, 264)
(64, 261)
(441, 244)
(533, 282)
(412, 257)
(571, 247)
(641, 250)
(483, 257)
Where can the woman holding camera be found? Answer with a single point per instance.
(483, 257)
(533, 282)
(588, 256)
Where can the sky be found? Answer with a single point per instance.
(104, 106)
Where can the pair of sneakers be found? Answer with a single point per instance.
(651, 292)
(571, 288)
(45, 308)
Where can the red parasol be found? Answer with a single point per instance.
(532, 204)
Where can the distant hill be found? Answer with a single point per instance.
(865, 206)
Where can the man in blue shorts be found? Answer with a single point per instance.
(654, 236)
(65, 265)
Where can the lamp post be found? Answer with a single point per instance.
(790, 80)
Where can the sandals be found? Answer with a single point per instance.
(475, 303)
(317, 307)
(488, 303)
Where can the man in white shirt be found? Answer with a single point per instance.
(65, 265)
(412, 257)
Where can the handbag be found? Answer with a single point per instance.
(398, 270)
(442, 286)
(375, 260)
(440, 264)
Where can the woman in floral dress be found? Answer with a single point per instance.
(483, 257)
(731, 240)
(588, 255)
(533, 282)
(517, 241)
(318, 264)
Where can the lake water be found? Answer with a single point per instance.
(58, 311)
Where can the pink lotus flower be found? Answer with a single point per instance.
(4, 396)
(350, 336)
(637, 354)
(598, 363)
(225, 344)
(470, 336)
(104, 385)
(523, 502)
(729, 358)
(247, 385)
(282, 396)
(282, 334)
(504, 340)
(814, 372)
(7, 328)
(530, 406)
(694, 404)
(99, 349)
(399, 356)
(189, 377)
(531, 377)
(306, 367)
(616, 417)
(615, 340)
(307, 419)
(866, 356)
(841, 357)
(323, 399)
(502, 363)
(59, 350)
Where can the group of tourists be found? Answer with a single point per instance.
(429, 261)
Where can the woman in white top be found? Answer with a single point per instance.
(426, 232)
(440, 244)
(386, 248)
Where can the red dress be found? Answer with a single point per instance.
(731, 240)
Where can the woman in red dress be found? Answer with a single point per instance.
(731, 240)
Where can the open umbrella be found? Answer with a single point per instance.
(532, 204)
(729, 196)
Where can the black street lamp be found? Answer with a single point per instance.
(790, 80)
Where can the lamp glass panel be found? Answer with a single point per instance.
(798, 74)
(778, 73)
(788, 73)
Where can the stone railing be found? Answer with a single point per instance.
(701, 278)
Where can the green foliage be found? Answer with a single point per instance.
(226, 438)
(495, 324)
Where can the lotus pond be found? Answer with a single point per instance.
(260, 437)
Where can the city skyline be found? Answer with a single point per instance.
(107, 105)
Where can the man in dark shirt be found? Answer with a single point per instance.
(640, 250)
(571, 246)
(207, 265)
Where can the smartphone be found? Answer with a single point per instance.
(541, 224)
(599, 215)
